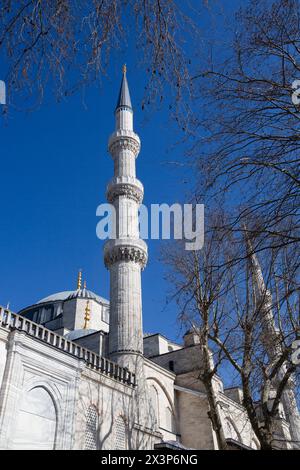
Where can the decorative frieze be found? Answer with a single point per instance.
(124, 141)
(124, 189)
(130, 253)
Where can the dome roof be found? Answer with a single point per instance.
(58, 296)
(73, 294)
(82, 294)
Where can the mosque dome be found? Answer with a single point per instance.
(79, 293)
(86, 294)
(73, 294)
(56, 297)
(49, 310)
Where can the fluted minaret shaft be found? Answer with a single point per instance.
(125, 256)
(271, 339)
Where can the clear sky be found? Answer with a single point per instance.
(54, 171)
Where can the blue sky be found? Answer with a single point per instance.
(54, 171)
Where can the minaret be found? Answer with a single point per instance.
(125, 256)
(269, 333)
(271, 339)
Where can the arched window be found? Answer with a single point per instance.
(170, 422)
(120, 434)
(154, 403)
(36, 421)
(91, 428)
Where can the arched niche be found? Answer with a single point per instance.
(36, 421)
(165, 407)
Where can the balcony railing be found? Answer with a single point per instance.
(11, 321)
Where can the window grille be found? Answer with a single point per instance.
(91, 429)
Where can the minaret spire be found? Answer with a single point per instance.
(264, 303)
(124, 100)
(126, 256)
(271, 339)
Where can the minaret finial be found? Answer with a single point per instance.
(79, 277)
(124, 68)
(87, 315)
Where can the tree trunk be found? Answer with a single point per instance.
(263, 432)
(213, 413)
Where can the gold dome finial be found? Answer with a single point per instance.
(79, 277)
(84, 284)
(124, 68)
(87, 315)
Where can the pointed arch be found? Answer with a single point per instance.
(160, 385)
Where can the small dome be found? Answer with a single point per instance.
(82, 294)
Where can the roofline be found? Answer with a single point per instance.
(162, 369)
(175, 350)
(163, 336)
(20, 312)
(86, 336)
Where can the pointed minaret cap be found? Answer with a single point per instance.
(124, 100)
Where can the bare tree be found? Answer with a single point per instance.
(246, 151)
(248, 321)
(197, 286)
(68, 43)
(246, 128)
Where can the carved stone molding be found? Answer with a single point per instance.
(124, 189)
(118, 143)
(125, 253)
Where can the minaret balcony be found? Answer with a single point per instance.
(127, 249)
(127, 186)
(124, 140)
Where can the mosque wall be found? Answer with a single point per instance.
(37, 395)
(52, 400)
